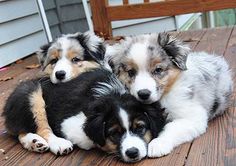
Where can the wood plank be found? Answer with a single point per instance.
(165, 8)
(218, 145)
(215, 40)
(230, 53)
(210, 148)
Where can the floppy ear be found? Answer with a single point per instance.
(156, 118)
(42, 54)
(95, 125)
(175, 49)
(93, 44)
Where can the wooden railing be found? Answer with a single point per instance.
(103, 13)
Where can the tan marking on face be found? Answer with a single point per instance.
(173, 74)
(72, 53)
(38, 109)
(109, 146)
(137, 123)
(54, 54)
(154, 62)
(123, 75)
(147, 136)
(83, 66)
(49, 69)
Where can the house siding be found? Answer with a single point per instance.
(21, 30)
(65, 16)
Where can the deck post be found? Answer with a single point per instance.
(102, 26)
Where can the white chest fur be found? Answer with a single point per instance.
(72, 128)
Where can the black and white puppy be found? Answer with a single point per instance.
(91, 110)
(193, 87)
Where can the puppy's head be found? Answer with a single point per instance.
(124, 126)
(70, 55)
(149, 64)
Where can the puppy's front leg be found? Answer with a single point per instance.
(178, 131)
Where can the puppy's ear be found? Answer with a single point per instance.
(95, 124)
(175, 49)
(156, 118)
(42, 54)
(93, 44)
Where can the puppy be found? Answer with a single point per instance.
(93, 109)
(192, 87)
(68, 56)
(62, 60)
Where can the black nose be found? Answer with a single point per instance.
(60, 75)
(132, 153)
(144, 94)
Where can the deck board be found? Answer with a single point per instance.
(216, 147)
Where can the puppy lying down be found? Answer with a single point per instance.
(91, 110)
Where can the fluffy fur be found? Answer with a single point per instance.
(91, 110)
(68, 56)
(64, 59)
(192, 87)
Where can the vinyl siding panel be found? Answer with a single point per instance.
(65, 16)
(21, 30)
(20, 48)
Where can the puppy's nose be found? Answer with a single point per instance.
(132, 153)
(60, 75)
(144, 94)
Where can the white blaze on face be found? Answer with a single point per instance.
(143, 80)
(130, 140)
(63, 64)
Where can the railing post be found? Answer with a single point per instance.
(102, 26)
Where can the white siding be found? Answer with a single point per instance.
(21, 30)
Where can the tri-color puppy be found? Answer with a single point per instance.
(192, 87)
(68, 56)
(91, 110)
(62, 60)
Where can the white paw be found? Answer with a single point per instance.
(158, 148)
(34, 142)
(59, 146)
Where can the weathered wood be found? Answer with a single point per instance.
(216, 147)
(210, 148)
(101, 24)
(230, 53)
(125, 2)
(215, 40)
(166, 8)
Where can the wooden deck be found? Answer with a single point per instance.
(216, 147)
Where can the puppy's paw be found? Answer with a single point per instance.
(59, 146)
(158, 148)
(34, 142)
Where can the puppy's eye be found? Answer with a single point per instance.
(158, 71)
(75, 59)
(140, 130)
(115, 135)
(131, 73)
(53, 61)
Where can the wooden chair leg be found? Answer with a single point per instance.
(102, 26)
